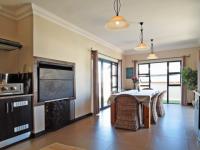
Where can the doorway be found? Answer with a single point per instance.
(162, 76)
(108, 81)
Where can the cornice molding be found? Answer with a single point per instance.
(33, 9)
(24, 11)
(59, 21)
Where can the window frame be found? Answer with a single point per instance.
(168, 74)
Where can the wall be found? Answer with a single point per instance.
(25, 36)
(56, 42)
(190, 62)
(8, 31)
(21, 31)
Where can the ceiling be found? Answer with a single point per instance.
(174, 24)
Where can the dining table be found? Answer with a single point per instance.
(143, 96)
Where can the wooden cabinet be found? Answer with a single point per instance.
(15, 116)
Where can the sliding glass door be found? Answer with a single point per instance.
(162, 76)
(174, 82)
(108, 81)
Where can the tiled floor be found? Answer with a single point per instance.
(173, 132)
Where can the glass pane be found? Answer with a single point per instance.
(159, 83)
(144, 81)
(106, 82)
(174, 94)
(158, 68)
(143, 69)
(114, 90)
(174, 66)
(99, 73)
(174, 79)
(159, 79)
(114, 81)
(114, 69)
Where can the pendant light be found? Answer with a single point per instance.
(152, 55)
(141, 45)
(117, 22)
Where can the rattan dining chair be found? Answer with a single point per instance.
(127, 112)
(160, 108)
(154, 115)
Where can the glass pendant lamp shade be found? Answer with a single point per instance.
(152, 55)
(117, 23)
(141, 45)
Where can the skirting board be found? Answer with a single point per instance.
(82, 117)
(34, 135)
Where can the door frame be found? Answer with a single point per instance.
(102, 60)
(168, 74)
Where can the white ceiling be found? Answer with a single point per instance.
(174, 24)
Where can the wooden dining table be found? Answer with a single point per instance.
(144, 96)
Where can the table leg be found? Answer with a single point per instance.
(147, 116)
(113, 113)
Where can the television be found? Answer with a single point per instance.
(56, 81)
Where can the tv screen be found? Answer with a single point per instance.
(56, 82)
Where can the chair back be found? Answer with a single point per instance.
(127, 111)
(154, 115)
(161, 95)
(160, 108)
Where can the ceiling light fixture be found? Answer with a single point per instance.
(152, 55)
(142, 45)
(117, 22)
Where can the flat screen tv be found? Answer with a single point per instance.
(56, 81)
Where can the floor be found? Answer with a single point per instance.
(173, 132)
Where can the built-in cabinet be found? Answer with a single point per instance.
(16, 116)
(59, 114)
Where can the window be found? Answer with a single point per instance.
(162, 76)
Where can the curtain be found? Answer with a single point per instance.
(119, 75)
(135, 68)
(95, 81)
(184, 88)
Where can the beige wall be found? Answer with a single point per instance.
(56, 42)
(190, 62)
(21, 31)
(8, 30)
(25, 37)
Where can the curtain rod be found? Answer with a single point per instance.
(104, 54)
(164, 58)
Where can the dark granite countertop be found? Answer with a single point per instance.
(15, 96)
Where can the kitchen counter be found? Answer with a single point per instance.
(15, 96)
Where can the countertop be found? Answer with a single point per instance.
(15, 96)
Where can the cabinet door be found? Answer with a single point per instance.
(4, 108)
(17, 119)
(21, 114)
(5, 120)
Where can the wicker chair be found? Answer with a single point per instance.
(160, 108)
(154, 115)
(128, 112)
